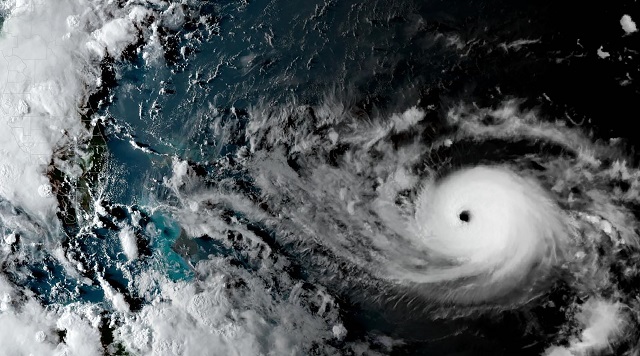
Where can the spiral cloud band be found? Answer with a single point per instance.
(492, 228)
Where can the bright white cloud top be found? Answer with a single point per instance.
(493, 226)
(628, 25)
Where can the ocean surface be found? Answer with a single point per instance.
(319, 178)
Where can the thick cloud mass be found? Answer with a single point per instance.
(491, 224)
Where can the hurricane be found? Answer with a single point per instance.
(494, 223)
(321, 178)
(467, 233)
(421, 226)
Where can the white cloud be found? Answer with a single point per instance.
(628, 25)
(196, 318)
(601, 323)
(128, 242)
(47, 70)
(27, 328)
(602, 54)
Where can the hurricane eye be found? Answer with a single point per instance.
(465, 216)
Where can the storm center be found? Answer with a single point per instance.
(465, 216)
